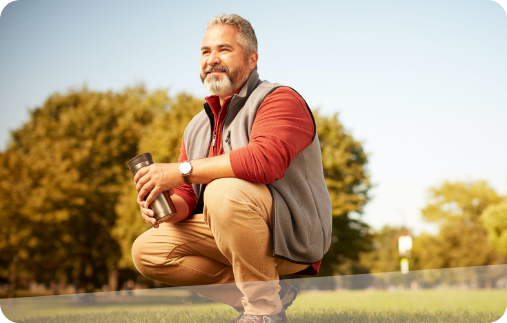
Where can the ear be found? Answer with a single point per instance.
(252, 60)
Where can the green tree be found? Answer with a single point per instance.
(428, 252)
(344, 162)
(385, 256)
(457, 245)
(462, 239)
(459, 201)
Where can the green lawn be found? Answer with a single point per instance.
(413, 300)
(340, 306)
(295, 316)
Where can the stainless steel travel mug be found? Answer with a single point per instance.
(163, 206)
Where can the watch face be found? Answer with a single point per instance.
(185, 168)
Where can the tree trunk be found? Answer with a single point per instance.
(113, 278)
(13, 277)
(62, 285)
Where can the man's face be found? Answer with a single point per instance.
(224, 65)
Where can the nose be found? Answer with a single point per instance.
(213, 58)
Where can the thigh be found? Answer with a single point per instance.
(190, 237)
(228, 199)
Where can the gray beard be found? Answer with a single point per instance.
(224, 86)
(219, 87)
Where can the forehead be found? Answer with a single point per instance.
(220, 34)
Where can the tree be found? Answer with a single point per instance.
(344, 162)
(457, 245)
(459, 201)
(385, 256)
(162, 138)
(75, 148)
(70, 160)
(16, 234)
(344, 169)
(462, 239)
(494, 219)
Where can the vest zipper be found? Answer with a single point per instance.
(228, 136)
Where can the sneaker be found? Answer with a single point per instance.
(277, 318)
(288, 294)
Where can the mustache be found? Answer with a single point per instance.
(208, 69)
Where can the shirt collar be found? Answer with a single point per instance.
(214, 102)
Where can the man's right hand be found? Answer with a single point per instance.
(148, 214)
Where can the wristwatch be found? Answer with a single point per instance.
(185, 169)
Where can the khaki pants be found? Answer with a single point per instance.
(230, 243)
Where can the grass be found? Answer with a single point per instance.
(485, 300)
(340, 306)
(297, 316)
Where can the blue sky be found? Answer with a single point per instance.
(422, 84)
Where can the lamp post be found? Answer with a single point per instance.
(405, 248)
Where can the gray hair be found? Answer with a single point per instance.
(246, 37)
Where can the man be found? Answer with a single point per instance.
(250, 194)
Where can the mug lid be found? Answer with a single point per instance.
(139, 159)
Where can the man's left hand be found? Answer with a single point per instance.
(157, 178)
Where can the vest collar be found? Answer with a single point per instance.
(239, 100)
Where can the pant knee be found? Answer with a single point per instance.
(139, 257)
(222, 188)
(156, 263)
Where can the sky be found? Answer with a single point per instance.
(422, 84)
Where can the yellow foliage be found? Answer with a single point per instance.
(494, 219)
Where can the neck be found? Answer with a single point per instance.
(222, 99)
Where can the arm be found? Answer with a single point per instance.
(183, 197)
(283, 128)
(164, 177)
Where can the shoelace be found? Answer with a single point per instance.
(253, 318)
(249, 318)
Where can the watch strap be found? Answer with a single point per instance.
(186, 176)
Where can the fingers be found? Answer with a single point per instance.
(152, 195)
(142, 182)
(148, 216)
(140, 173)
(147, 211)
(144, 205)
(145, 190)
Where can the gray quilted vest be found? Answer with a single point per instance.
(301, 203)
